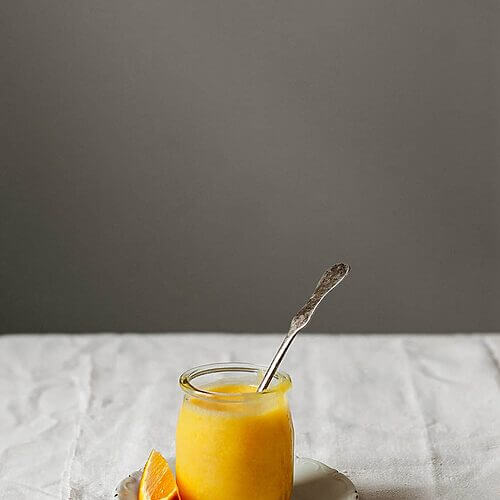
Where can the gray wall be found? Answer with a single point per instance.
(172, 165)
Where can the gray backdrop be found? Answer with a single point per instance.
(174, 165)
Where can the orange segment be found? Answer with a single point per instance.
(157, 481)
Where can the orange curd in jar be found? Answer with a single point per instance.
(232, 442)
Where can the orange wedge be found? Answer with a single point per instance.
(157, 481)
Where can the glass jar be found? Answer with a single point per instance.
(232, 442)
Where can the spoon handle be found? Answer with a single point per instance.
(330, 279)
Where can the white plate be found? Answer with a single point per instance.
(312, 481)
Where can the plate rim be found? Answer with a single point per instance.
(135, 476)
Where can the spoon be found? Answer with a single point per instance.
(330, 279)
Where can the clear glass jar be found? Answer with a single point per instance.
(233, 443)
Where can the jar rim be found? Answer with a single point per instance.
(282, 379)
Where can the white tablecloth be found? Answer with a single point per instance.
(404, 416)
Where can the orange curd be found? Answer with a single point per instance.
(232, 442)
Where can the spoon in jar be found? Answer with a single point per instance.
(330, 279)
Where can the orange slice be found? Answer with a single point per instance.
(157, 481)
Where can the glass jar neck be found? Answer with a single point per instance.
(232, 383)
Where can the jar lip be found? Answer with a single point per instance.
(283, 380)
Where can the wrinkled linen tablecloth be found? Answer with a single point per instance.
(404, 416)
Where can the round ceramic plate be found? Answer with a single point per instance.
(312, 481)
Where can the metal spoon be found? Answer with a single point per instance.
(330, 279)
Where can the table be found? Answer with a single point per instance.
(404, 416)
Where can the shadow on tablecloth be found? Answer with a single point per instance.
(386, 492)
